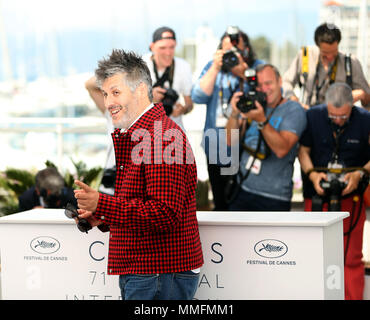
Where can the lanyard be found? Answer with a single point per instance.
(337, 132)
(167, 75)
(224, 103)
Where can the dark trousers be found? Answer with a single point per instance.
(246, 201)
(218, 183)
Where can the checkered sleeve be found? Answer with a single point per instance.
(161, 211)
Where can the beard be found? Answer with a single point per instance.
(125, 120)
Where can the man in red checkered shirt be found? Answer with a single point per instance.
(154, 238)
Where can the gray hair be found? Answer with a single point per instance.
(131, 65)
(49, 179)
(339, 94)
(261, 67)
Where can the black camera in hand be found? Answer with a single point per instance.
(333, 190)
(169, 99)
(246, 102)
(230, 59)
(109, 177)
(54, 200)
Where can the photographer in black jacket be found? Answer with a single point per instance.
(335, 156)
(49, 191)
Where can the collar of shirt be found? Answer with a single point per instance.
(146, 109)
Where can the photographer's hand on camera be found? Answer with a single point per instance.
(257, 114)
(240, 68)
(217, 59)
(158, 94)
(352, 178)
(316, 177)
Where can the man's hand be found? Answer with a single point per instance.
(87, 197)
(158, 94)
(257, 114)
(217, 59)
(316, 177)
(178, 109)
(89, 217)
(353, 179)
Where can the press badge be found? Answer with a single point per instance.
(256, 168)
(222, 111)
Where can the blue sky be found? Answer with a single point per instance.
(68, 30)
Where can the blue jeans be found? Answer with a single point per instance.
(163, 286)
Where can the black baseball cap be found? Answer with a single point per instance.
(158, 34)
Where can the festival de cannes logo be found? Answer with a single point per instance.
(45, 245)
(270, 248)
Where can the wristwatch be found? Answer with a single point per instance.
(261, 125)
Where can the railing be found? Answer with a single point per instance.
(58, 126)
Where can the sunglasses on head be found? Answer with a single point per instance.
(71, 212)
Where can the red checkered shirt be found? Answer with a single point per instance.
(152, 216)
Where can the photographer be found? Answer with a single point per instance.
(217, 82)
(315, 68)
(171, 76)
(337, 136)
(49, 192)
(268, 139)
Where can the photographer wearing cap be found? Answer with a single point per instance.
(49, 192)
(315, 68)
(219, 79)
(270, 127)
(171, 76)
(337, 137)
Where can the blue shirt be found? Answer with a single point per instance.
(228, 84)
(275, 177)
(354, 145)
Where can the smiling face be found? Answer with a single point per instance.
(269, 84)
(120, 101)
(163, 51)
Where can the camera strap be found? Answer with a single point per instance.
(337, 132)
(166, 76)
(329, 76)
(223, 102)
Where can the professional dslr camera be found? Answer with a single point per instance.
(230, 59)
(246, 102)
(54, 200)
(109, 177)
(333, 189)
(169, 99)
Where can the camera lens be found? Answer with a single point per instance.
(229, 60)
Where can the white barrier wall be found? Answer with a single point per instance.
(247, 256)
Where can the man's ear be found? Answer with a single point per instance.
(142, 90)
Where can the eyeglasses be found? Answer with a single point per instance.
(344, 117)
(71, 212)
